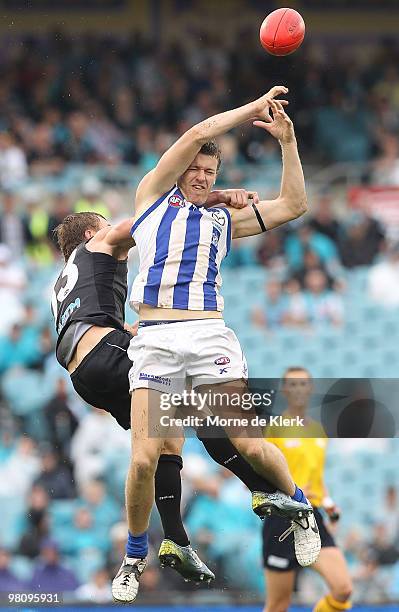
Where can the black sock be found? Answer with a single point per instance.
(224, 453)
(168, 498)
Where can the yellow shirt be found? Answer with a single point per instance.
(305, 456)
(97, 207)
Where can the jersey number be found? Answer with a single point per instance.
(71, 273)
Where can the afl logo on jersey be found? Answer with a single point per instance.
(176, 201)
(222, 360)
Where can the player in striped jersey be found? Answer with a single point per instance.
(181, 332)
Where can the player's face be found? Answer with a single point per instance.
(297, 389)
(198, 180)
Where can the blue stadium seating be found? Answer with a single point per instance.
(12, 513)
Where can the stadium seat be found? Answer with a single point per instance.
(35, 394)
(12, 513)
(22, 567)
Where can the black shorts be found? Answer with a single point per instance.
(101, 379)
(280, 556)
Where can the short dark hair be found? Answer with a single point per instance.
(212, 149)
(71, 232)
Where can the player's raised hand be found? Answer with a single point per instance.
(280, 126)
(263, 103)
(236, 198)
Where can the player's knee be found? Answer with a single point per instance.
(173, 447)
(144, 466)
(342, 590)
(253, 454)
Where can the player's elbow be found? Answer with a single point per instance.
(298, 207)
(293, 207)
(302, 206)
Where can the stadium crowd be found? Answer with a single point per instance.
(103, 101)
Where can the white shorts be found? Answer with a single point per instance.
(168, 356)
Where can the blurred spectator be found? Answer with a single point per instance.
(342, 129)
(296, 313)
(270, 251)
(306, 238)
(40, 224)
(117, 550)
(8, 580)
(242, 253)
(7, 440)
(388, 85)
(104, 510)
(37, 523)
(158, 581)
(152, 582)
(323, 220)
(311, 261)
(44, 348)
(271, 315)
(85, 536)
(231, 171)
(91, 198)
(382, 548)
(78, 146)
(45, 157)
(97, 590)
(55, 477)
(362, 241)
(97, 438)
(383, 281)
(20, 468)
(148, 157)
(324, 306)
(13, 166)
(49, 574)
(12, 282)
(386, 166)
(368, 581)
(389, 514)
(13, 229)
(353, 545)
(61, 420)
(19, 347)
(61, 207)
(215, 495)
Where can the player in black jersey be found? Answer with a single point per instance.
(88, 307)
(88, 304)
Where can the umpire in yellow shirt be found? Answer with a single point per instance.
(305, 458)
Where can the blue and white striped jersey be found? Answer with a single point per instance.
(181, 248)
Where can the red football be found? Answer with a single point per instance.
(282, 31)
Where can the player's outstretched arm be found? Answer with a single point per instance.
(115, 240)
(292, 201)
(175, 161)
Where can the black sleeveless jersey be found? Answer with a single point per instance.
(92, 288)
